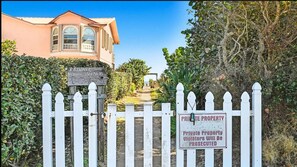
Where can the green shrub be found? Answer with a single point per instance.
(118, 86)
(22, 79)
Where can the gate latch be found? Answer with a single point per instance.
(192, 118)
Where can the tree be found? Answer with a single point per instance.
(238, 43)
(8, 47)
(137, 68)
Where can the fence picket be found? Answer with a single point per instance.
(245, 130)
(92, 104)
(78, 133)
(111, 135)
(257, 125)
(47, 126)
(179, 110)
(60, 130)
(148, 135)
(166, 135)
(227, 108)
(209, 108)
(191, 107)
(129, 136)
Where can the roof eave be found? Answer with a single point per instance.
(114, 31)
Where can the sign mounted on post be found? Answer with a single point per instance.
(84, 76)
(208, 131)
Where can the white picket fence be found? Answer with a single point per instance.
(147, 116)
(59, 114)
(245, 115)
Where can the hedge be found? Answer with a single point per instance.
(119, 86)
(22, 79)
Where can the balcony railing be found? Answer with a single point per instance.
(87, 47)
(70, 46)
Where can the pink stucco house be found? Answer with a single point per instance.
(68, 35)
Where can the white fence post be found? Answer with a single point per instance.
(47, 126)
(227, 108)
(78, 133)
(111, 135)
(60, 130)
(245, 130)
(92, 104)
(191, 107)
(179, 109)
(147, 134)
(129, 135)
(209, 108)
(166, 142)
(257, 125)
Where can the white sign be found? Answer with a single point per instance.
(208, 131)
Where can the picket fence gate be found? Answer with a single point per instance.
(147, 114)
(59, 114)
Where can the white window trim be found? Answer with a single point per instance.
(78, 37)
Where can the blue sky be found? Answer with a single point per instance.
(144, 27)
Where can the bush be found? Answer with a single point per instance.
(22, 79)
(118, 86)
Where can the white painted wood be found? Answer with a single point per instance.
(191, 107)
(179, 110)
(59, 130)
(148, 135)
(70, 113)
(78, 131)
(92, 105)
(227, 108)
(111, 135)
(129, 136)
(166, 141)
(209, 152)
(245, 131)
(140, 114)
(47, 126)
(257, 125)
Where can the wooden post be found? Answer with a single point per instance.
(72, 90)
(101, 134)
(257, 125)
(92, 105)
(47, 126)
(179, 110)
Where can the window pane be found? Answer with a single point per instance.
(70, 36)
(88, 31)
(70, 41)
(70, 30)
(55, 42)
(55, 32)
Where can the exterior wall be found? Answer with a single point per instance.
(36, 40)
(105, 56)
(33, 40)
